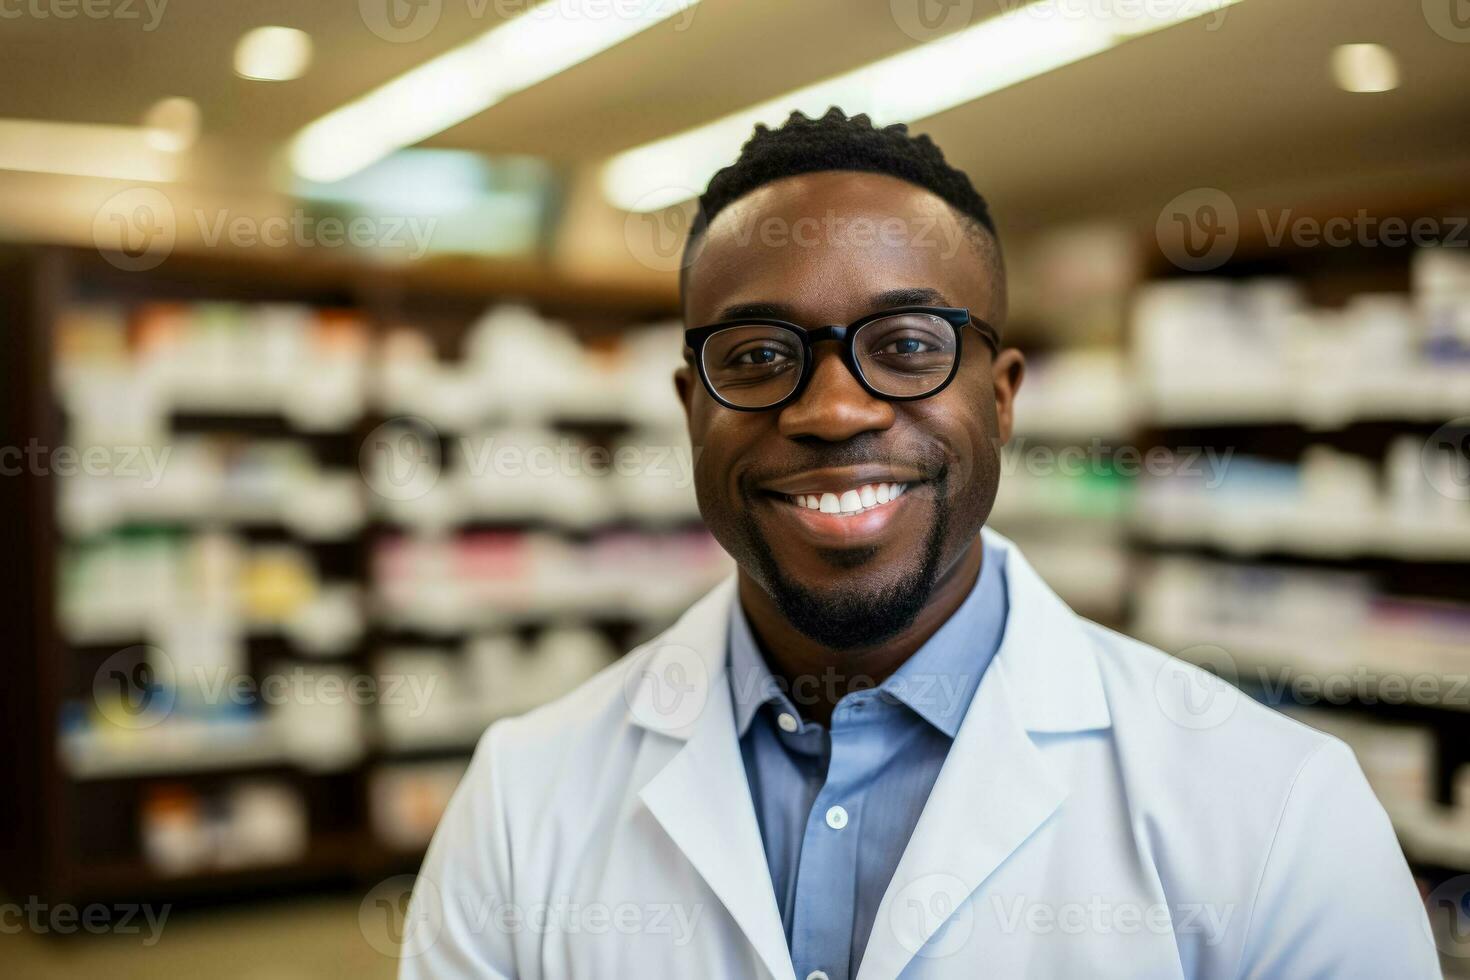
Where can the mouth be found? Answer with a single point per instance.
(842, 508)
(851, 502)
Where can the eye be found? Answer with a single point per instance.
(906, 345)
(759, 356)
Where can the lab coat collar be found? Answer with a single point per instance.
(994, 790)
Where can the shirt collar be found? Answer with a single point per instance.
(937, 682)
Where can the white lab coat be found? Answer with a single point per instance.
(1105, 811)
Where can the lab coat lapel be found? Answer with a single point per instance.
(996, 788)
(701, 796)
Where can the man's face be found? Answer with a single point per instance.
(828, 248)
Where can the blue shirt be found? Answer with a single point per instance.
(837, 808)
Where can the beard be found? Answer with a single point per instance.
(848, 618)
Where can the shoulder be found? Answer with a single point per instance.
(1199, 760)
(593, 736)
(1170, 710)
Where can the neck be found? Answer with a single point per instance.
(807, 666)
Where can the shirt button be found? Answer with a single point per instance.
(817, 975)
(837, 818)
(787, 721)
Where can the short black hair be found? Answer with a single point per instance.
(837, 141)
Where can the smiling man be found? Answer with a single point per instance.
(885, 748)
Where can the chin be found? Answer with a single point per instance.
(848, 598)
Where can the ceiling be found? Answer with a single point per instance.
(1247, 106)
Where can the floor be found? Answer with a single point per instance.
(317, 938)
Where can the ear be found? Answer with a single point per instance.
(684, 387)
(1008, 369)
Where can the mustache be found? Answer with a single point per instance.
(929, 459)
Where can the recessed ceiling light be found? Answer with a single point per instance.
(922, 81)
(1364, 68)
(273, 54)
(172, 124)
(464, 81)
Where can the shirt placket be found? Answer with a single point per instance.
(827, 871)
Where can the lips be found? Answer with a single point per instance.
(841, 507)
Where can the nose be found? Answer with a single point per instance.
(834, 406)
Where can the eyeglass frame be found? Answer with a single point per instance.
(956, 317)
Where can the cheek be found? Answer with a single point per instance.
(721, 440)
(962, 420)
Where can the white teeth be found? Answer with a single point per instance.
(850, 502)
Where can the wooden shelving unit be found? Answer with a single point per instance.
(1408, 562)
(74, 835)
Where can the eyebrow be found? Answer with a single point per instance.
(914, 296)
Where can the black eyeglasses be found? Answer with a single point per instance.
(903, 354)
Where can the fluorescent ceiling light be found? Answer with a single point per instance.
(543, 41)
(1364, 68)
(172, 124)
(79, 150)
(922, 81)
(273, 54)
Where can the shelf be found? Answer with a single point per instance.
(1308, 534)
(205, 748)
(1262, 653)
(1432, 835)
(1428, 396)
(328, 855)
(244, 746)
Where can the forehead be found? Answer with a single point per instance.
(824, 243)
